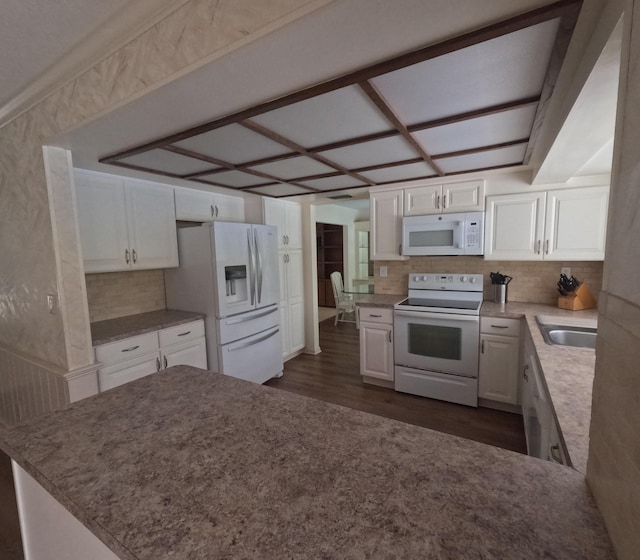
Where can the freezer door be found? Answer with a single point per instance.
(267, 273)
(256, 358)
(235, 267)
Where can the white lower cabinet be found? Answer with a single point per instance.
(138, 356)
(376, 345)
(499, 360)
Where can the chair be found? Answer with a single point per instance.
(344, 302)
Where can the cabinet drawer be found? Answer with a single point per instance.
(496, 325)
(126, 349)
(181, 333)
(376, 315)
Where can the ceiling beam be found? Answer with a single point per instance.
(391, 116)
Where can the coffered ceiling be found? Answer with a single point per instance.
(465, 104)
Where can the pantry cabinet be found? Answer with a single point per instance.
(287, 217)
(566, 224)
(125, 224)
(386, 225)
(498, 378)
(376, 345)
(444, 199)
(134, 357)
(200, 206)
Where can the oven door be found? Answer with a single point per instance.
(440, 342)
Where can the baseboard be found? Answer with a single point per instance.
(496, 405)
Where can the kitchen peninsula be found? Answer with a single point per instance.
(192, 464)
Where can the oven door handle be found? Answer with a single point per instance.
(440, 316)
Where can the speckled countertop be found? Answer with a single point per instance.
(377, 300)
(192, 464)
(133, 325)
(568, 373)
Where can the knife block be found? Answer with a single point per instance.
(582, 298)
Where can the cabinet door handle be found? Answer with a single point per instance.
(217, 211)
(126, 256)
(400, 249)
(372, 315)
(212, 211)
(546, 247)
(131, 349)
(389, 335)
(157, 364)
(482, 346)
(499, 327)
(444, 201)
(555, 453)
(134, 255)
(538, 251)
(437, 202)
(184, 333)
(164, 360)
(524, 372)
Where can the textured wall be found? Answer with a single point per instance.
(117, 294)
(533, 282)
(613, 471)
(36, 256)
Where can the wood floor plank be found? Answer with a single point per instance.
(334, 376)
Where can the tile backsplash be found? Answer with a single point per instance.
(117, 294)
(533, 281)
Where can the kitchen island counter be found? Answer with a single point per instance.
(568, 372)
(192, 464)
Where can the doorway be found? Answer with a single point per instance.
(330, 258)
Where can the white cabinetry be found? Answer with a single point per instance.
(386, 225)
(138, 356)
(287, 216)
(499, 360)
(376, 345)
(201, 206)
(125, 224)
(443, 199)
(567, 224)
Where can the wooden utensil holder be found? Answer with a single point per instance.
(582, 298)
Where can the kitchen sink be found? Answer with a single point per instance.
(562, 335)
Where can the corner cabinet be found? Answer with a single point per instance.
(565, 224)
(386, 225)
(200, 206)
(125, 224)
(287, 217)
(376, 345)
(498, 376)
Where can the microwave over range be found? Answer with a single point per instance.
(443, 234)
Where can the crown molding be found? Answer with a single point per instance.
(96, 45)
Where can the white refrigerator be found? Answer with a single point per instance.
(229, 271)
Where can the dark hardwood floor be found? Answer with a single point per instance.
(10, 542)
(333, 376)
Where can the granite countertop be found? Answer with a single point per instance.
(568, 373)
(111, 330)
(377, 300)
(193, 464)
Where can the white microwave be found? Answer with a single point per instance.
(443, 234)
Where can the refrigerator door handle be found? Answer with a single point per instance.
(234, 347)
(241, 319)
(259, 265)
(251, 279)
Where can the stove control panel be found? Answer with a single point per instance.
(457, 282)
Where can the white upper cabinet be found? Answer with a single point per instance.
(567, 224)
(200, 206)
(444, 199)
(125, 224)
(576, 224)
(386, 225)
(287, 216)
